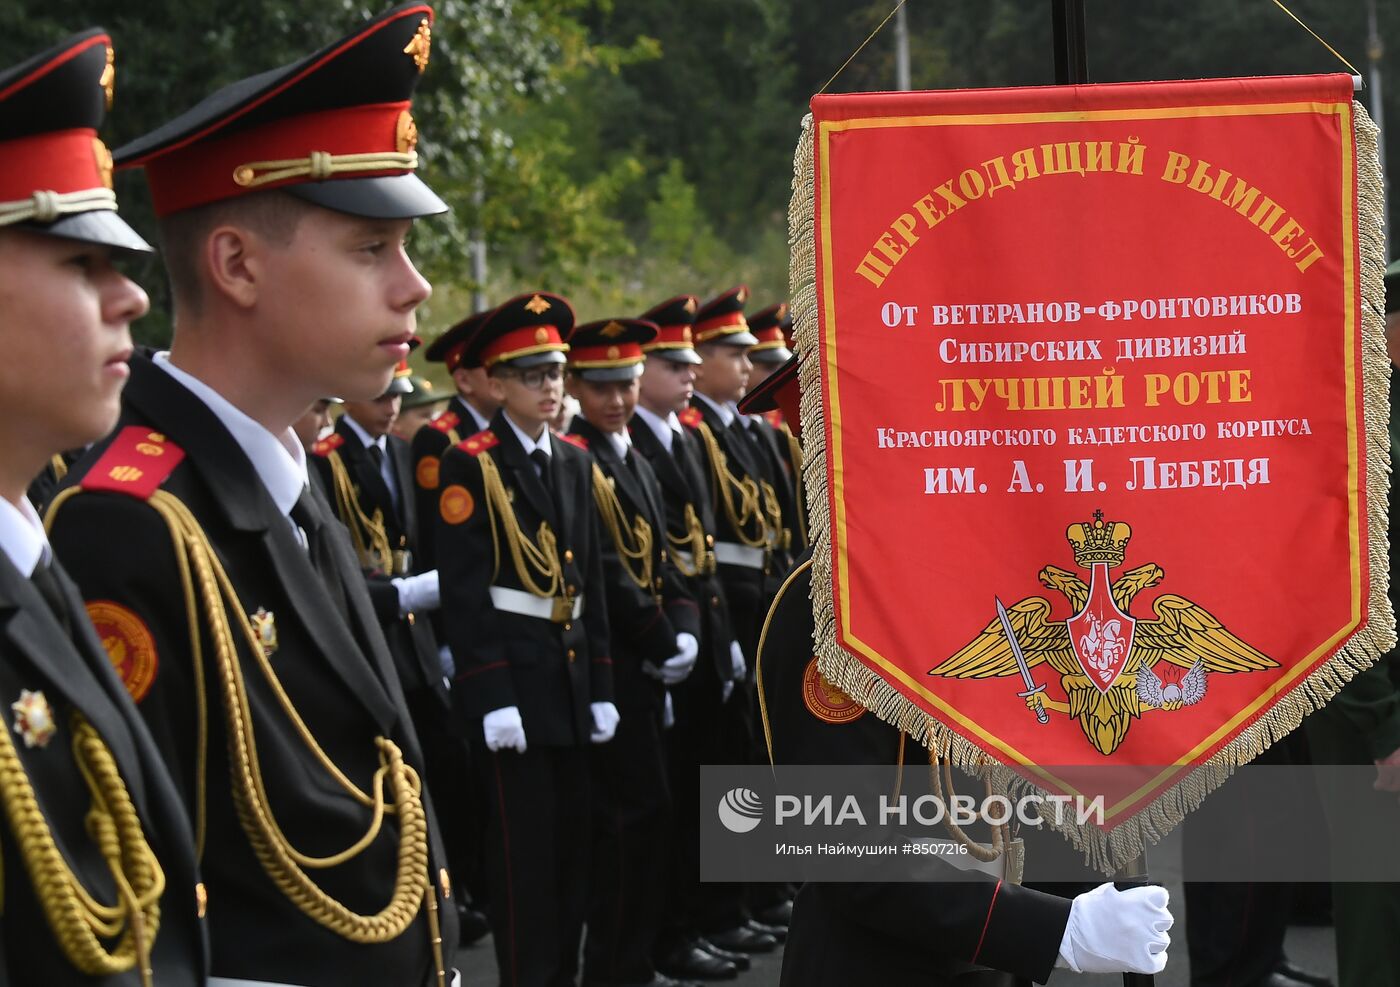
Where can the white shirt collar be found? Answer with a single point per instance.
(527, 443)
(22, 536)
(725, 411)
(364, 436)
(279, 460)
(482, 424)
(666, 429)
(621, 442)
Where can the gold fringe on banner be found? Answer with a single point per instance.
(1108, 851)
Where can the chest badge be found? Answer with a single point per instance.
(34, 720)
(265, 627)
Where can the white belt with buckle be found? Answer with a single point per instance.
(684, 558)
(728, 553)
(530, 605)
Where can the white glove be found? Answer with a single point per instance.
(1112, 931)
(668, 714)
(605, 717)
(736, 658)
(418, 592)
(503, 729)
(446, 664)
(678, 667)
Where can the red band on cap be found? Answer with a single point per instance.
(522, 342)
(672, 338)
(611, 355)
(204, 172)
(721, 321)
(60, 161)
(770, 339)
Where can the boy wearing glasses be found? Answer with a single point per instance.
(525, 617)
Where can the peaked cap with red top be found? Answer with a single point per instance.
(610, 349)
(772, 327)
(55, 173)
(530, 330)
(334, 128)
(452, 344)
(675, 322)
(721, 319)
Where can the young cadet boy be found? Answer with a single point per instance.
(90, 814)
(470, 411)
(224, 585)
(749, 553)
(939, 932)
(655, 641)
(526, 617)
(781, 453)
(366, 473)
(699, 734)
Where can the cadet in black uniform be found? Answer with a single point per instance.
(470, 411)
(772, 327)
(526, 616)
(655, 641)
(933, 933)
(366, 474)
(699, 734)
(223, 583)
(748, 550)
(99, 880)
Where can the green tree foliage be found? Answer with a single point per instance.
(622, 151)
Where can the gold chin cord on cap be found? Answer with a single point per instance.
(320, 165)
(45, 207)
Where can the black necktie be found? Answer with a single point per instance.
(376, 456)
(47, 584)
(541, 459)
(308, 517)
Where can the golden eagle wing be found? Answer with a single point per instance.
(989, 654)
(1185, 633)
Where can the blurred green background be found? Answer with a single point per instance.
(623, 151)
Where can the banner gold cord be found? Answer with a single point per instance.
(878, 28)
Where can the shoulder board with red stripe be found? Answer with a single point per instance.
(136, 463)
(575, 440)
(479, 443)
(328, 445)
(691, 417)
(445, 422)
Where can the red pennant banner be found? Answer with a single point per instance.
(1089, 389)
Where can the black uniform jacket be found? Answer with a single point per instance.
(550, 670)
(430, 443)
(412, 643)
(778, 461)
(745, 586)
(644, 622)
(335, 671)
(682, 484)
(74, 675)
(885, 933)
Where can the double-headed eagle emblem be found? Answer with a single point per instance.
(1108, 661)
